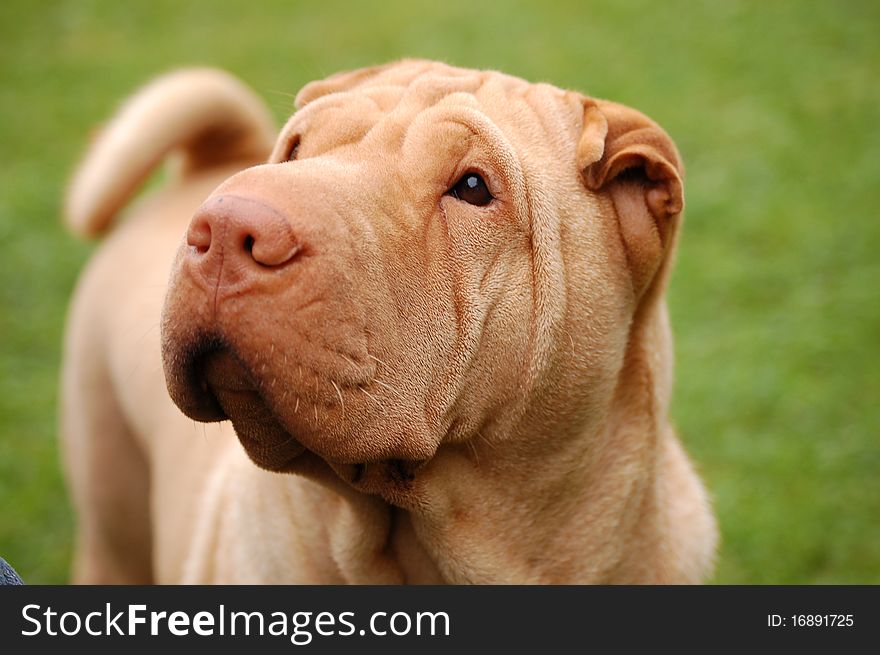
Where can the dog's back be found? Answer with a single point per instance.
(207, 125)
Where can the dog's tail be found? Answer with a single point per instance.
(207, 115)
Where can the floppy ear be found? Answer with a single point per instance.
(338, 82)
(396, 72)
(624, 153)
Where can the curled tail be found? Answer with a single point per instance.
(209, 116)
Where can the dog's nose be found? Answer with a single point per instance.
(230, 235)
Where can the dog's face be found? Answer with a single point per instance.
(430, 256)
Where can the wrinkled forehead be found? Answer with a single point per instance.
(399, 93)
(395, 80)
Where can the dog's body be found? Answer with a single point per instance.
(435, 319)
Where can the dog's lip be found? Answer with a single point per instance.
(184, 362)
(223, 373)
(197, 401)
(255, 448)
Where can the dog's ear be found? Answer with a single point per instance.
(624, 153)
(396, 72)
(339, 82)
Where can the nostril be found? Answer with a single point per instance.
(272, 251)
(199, 236)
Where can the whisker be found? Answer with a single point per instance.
(383, 384)
(339, 393)
(570, 340)
(316, 413)
(286, 441)
(387, 386)
(373, 357)
(133, 371)
(296, 408)
(154, 326)
(486, 441)
(200, 427)
(281, 93)
(375, 400)
(473, 450)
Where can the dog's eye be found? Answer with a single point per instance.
(473, 190)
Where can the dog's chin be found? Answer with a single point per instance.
(267, 443)
(229, 386)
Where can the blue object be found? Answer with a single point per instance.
(8, 574)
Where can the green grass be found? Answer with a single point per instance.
(774, 301)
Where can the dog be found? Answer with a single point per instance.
(418, 336)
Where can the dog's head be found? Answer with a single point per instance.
(431, 256)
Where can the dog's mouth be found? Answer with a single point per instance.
(221, 388)
(282, 425)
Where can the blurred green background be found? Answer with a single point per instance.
(775, 302)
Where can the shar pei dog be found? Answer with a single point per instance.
(417, 336)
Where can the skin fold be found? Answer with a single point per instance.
(419, 336)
